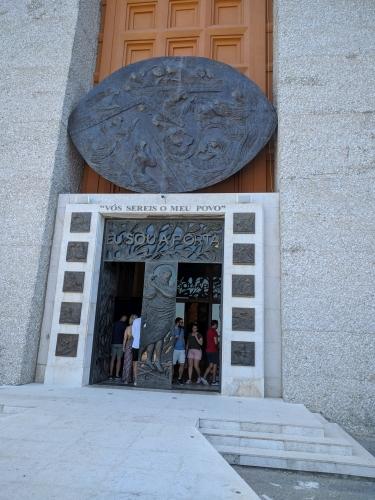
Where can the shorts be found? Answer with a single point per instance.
(117, 351)
(213, 357)
(178, 356)
(195, 354)
(135, 354)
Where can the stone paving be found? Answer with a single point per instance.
(107, 443)
(274, 484)
(113, 443)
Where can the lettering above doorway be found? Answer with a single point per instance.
(135, 240)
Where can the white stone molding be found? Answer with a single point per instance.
(235, 380)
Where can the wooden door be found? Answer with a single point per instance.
(236, 32)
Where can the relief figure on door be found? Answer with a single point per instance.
(158, 310)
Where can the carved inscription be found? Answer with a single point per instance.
(147, 240)
(172, 124)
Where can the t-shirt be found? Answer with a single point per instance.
(211, 334)
(136, 332)
(179, 335)
(118, 332)
(193, 342)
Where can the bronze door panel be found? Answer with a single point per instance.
(157, 329)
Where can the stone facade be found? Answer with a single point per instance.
(325, 66)
(48, 52)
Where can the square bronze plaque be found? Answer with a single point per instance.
(243, 285)
(66, 345)
(73, 281)
(77, 251)
(243, 319)
(70, 313)
(243, 353)
(80, 222)
(244, 223)
(244, 253)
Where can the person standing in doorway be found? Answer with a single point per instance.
(212, 351)
(116, 348)
(136, 332)
(179, 347)
(128, 351)
(194, 345)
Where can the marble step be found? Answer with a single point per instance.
(264, 427)
(274, 441)
(362, 466)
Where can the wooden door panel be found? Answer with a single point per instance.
(236, 32)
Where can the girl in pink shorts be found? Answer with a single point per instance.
(194, 345)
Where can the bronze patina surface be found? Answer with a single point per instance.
(140, 240)
(172, 124)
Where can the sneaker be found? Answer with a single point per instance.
(204, 381)
(199, 380)
(215, 383)
(180, 382)
(188, 382)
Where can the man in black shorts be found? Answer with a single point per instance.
(212, 351)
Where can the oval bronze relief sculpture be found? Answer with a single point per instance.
(172, 124)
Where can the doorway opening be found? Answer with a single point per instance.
(198, 302)
(121, 293)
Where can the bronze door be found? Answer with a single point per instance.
(157, 328)
(101, 351)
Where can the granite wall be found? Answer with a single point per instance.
(48, 52)
(325, 96)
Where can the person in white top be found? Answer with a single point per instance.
(136, 332)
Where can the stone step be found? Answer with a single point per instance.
(302, 461)
(274, 441)
(265, 427)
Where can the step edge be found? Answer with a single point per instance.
(295, 455)
(275, 437)
(318, 426)
(340, 469)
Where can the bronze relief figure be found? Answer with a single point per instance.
(158, 311)
(172, 124)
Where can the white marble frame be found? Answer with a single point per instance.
(75, 371)
(243, 380)
(236, 380)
